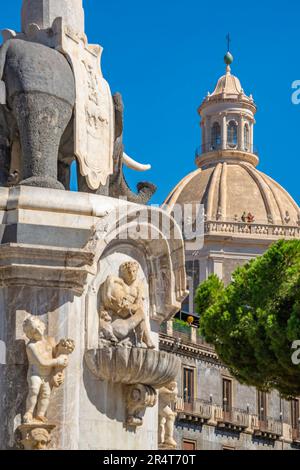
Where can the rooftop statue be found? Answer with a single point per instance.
(55, 107)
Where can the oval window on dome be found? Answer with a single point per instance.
(216, 136)
(232, 134)
(247, 138)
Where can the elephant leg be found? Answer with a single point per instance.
(64, 174)
(5, 150)
(42, 120)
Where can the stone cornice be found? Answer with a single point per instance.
(48, 267)
(226, 156)
(192, 350)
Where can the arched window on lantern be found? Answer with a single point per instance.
(216, 136)
(247, 137)
(232, 134)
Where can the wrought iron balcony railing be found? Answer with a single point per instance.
(207, 148)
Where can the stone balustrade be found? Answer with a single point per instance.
(241, 228)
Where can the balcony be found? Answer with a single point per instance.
(181, 331)
(194, 410)
(185, 333)
(296, 435)
(269, 428)
(234, 419)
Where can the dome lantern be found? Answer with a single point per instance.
(227, 121)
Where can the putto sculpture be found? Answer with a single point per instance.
(47, 362)
(167, 399)
(122, 315)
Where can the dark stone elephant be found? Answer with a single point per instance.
(36, 123)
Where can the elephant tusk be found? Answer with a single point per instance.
(130, 163)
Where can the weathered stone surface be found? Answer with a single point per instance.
(61, 286)
(166, 415)
(35, 436)
(44, 12)
(138, 398)
(127, 365)
(42, 106)
(47, 363)
(123, 318)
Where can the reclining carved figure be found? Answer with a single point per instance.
(122, 315)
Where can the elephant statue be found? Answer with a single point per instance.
(37, 99)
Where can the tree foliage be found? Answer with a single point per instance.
(254, 321)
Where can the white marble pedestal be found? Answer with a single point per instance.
(56, 249)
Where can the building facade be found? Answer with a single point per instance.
(245, 212)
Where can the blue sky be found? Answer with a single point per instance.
(164, 55)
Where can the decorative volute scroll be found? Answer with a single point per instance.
(138, 398)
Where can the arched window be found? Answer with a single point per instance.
(232, 134)
(247, 137)
(216, 136)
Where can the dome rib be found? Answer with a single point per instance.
(229, 189)
(281, 188)
(229, 85)
(179, 188)
(281, 212)
(223, 191)
(263, 190)
(212, 190)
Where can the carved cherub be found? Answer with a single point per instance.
(47, 361)
(167, 398)
(123, 301)
(64, 348)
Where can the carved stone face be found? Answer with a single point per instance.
(66, 346)
(41, 439)
(34, 328)
(172, 386)
(129, 272)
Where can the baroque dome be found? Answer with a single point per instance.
(237, 197)
(229, 189)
